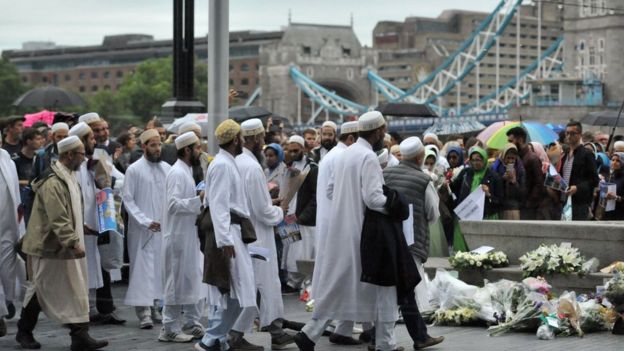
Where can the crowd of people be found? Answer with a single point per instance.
(222, 235)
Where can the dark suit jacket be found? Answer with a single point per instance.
(584, 176)
(306, 197)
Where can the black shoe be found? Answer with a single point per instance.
(27, 340)
(82, 341)
(3, 327)
(11, 309)
(429, 342)
(200, 346)
(343, 340)
(111, 318)
(303, 342)
(399, 348)
(367, 335)
(243, 345)
(282, 341)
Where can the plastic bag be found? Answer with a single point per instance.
(544, 332)
(570, 309)
(452, 292)
(111, 252)
(423, 297)
(566, 214)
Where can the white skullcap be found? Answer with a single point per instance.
(411, 147)
(252, 127)
(59, 126)
(387, 138)
(149, 134)
(186, 139)
(68, 144)
(188, 127)
(89, 118)
(80, 130)
(383, 156)
(349, 127)
(618, 146)
(370, 121)
(330, 124)
(432, 135)
(296, 139)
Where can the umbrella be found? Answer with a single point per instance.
(243, 113)
(603, 118)
(42, 116)
(536, 132)
(491, 129)
(199, 118)
(49, 96)
(398, 109)
(448, 127)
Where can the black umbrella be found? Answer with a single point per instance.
(603, 118)
(399, 109)
(49, 96)
(243, 113)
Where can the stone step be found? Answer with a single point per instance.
(560, 282)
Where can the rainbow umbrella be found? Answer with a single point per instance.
(538, 132)
(487, 133)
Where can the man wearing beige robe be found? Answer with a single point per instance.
(54, 243)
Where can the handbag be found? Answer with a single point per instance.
(111, 250)
(248, 233)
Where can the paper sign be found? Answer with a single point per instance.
(609, 205)
(553, 321)
(408, 226)
(471, 209)
(107, 216)
(566, 245)
(482, 250)
(260, 253)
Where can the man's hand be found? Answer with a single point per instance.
(229, 251)
(154, 226)
(201, 195)
(571, 190)
(486, 190)
(79, 250)
(611, 196)
(277, 202)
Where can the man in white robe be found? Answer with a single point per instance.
(264, 217)
(11, 228)
(356, 185)
(342, 334)
(226, 197)
(144, 199)
(303, 207)
(182, 256)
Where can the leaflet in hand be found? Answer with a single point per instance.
(288, 230)
(605, 188)
(554, 180)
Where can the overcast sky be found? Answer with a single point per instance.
(86, 22)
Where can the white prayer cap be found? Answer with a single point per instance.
(188, 127)
(252, 127)
(387, 138)
(349, 127)
(186, 139)
(431, 135)
(370, 121)
(383, 156)
(80, 130)
(70, 143)
(410, 147)
(618, 146)
(149, 134)
(89, 118)
(296, 139)
(330, 124)
(59, 126)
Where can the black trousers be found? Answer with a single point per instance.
(414, 322)
(30, 315)
(104, 295)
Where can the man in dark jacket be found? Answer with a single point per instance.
(303, 207)
(534, 177)
(578, 169)
(409, 180)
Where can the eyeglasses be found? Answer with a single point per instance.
(572, 133)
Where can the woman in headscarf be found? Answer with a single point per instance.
(478, 174)
(276, 168)
(616, 176)
(513, 177)
(438, 245)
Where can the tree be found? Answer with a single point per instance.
(11, 86)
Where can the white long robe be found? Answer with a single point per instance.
(356, 184)
(87, 186)
(225, 193)
(264, 216)
(144, 199)
(183, 260)
(12, 267)
(323, 205)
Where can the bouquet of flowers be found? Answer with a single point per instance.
(594, 316)
(484, 261)
(615, 293)
(506, 298)
(526, 317)
(537, 284)
(551, 259)
(457, 316)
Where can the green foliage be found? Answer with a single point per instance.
(11, 86)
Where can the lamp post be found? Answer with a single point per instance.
(218, 67)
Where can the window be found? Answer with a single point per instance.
(81, 76)
(245, 67)
(601, 44)
(231, 80)
(94, 74)
(82, 89)
(94, 88)
(231, 68)
(346, 52)
(25, 79)
(307, 50)
(106, 74)
(67, 77)
(592, 56)
(107, 87)
(119, 74)
(581, 46)
(244, 81)
(44, 79)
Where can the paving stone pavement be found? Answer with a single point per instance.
(129, 337)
